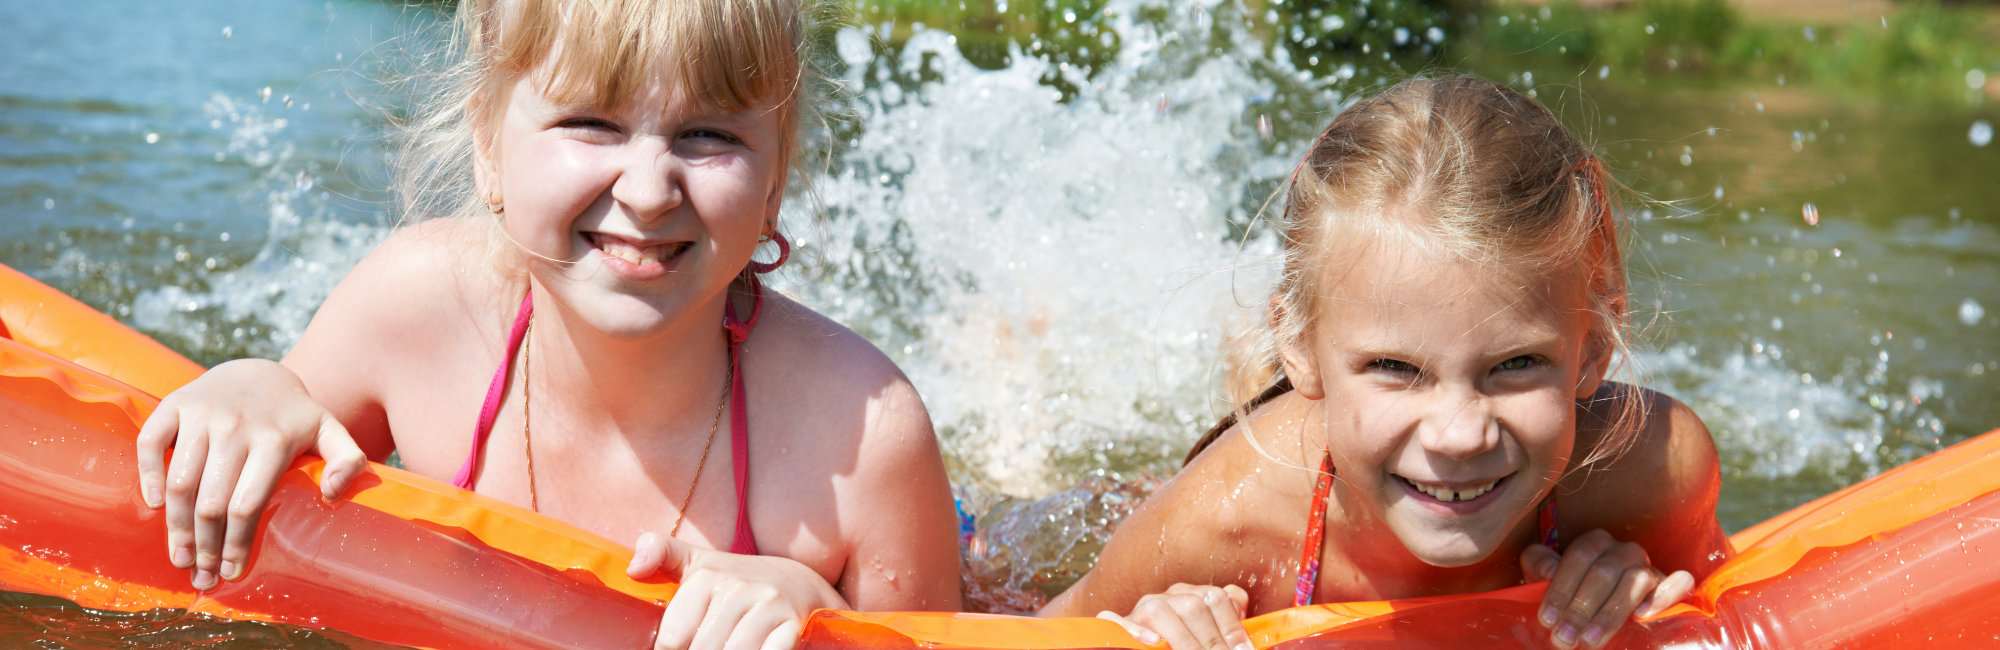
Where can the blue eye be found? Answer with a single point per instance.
(1522, 362)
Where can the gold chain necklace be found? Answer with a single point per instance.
(528, 438)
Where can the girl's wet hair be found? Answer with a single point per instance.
(1471, 167)
(725, 54)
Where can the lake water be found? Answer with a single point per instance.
(1049, 241)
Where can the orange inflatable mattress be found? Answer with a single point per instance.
(1905, 558)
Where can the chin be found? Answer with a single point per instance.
(1445, 547)
(624, 317)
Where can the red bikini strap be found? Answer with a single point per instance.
(1302, 594)
(494, 393)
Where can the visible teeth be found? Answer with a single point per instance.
(637, 254)
(1448, 495)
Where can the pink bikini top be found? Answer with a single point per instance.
(745, 542)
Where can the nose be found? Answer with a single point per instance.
(649, 179)
(1462, 426)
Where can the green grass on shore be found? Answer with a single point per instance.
(1920, 51)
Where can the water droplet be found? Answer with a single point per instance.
(1603, 72)
(1650, 29)
(228, 31)
(1069, 16)
(1332, 23)
(152, 138)
(1687, 156)
(1401, 36)
(1718, 191)
(1969, 312)
(1975, 79)
(48, 204)
(264, 94)
(1811, 214)
(1981, 133)
(1778, 324)
(1434, 35)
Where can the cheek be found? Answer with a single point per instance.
(551, 183)
(1541, 421)
(731, 196)
(1377, 425)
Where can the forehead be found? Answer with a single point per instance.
(713, 54)
(1390, 290)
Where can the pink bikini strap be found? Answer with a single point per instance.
(745, 542)
(739, 415)
(495, 392)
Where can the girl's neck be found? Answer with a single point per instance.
(637, 387)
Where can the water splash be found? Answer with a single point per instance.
(260, 307)
(1058, 275)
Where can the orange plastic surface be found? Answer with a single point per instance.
(43, 318)
(1902, 558)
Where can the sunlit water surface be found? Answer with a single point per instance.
(1055, 252)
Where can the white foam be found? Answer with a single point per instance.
(1063, 274)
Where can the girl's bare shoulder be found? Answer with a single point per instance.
(1668, 476)
(423, 277)
(834, 403)
(403, 316)
(1251, 486)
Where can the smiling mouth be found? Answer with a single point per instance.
(636, 253)
(1452, 493)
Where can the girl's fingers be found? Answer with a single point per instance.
(211, 508)
(1670, 591)
(154, 437)
(725, 609)
(684, 613)
(783, 637)
(183, 482)
(1602, 581)
(1163, 614)
(1631, 589)
(1538, 563)
(1239, 598)
(1228, 620)
(1569, 574)
(344, 459)
(646, 556)
(253, 490)
(1139, 632)
(758, 625)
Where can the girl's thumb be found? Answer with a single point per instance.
(657, 554)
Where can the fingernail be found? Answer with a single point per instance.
(1593, 636)
(152, 496)
(203, 579)
(230, 571)
(1566, 635)
(1208, 597)
(1548, 616)
(1245, 646)
(1148, 637)
(180, 558)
